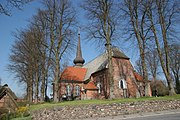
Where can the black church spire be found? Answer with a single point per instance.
(79, 61)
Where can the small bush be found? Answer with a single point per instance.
(22, 112)
(26, 113)
(160, 87)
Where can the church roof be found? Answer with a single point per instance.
(118, 54)
(95, 65)
(79, 61)
(101, 62)
(74, 73)
(138, 77)
(90, 86)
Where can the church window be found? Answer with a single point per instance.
(68, 90)
(77, 90)
(99, 87)
(122, 84)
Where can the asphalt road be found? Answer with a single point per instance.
(175, 116)
(163, 115)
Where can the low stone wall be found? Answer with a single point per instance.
(89, 111)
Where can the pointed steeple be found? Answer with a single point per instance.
(79, 61)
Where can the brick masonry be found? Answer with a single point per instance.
(94, 111)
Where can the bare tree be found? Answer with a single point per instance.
(175, 64)
(40, 48)
(138, 66)
(135, 14)
(152, 60)
(161, 14)
(41, 24)
(152, 19)
(103, 17)
(26, 60)
(61, 17)
(21, 61)
(36, 38)
(7, 5)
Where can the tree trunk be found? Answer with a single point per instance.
(144, 69)
(31, 91)
(177, 84)
(166, 48)
(46, 86)
(30, 87)
(36, 87)
(56, 83)
(43, 86)
(110, 70)
(28, 91)
(43, 78)
(140, 38)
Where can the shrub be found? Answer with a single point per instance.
(22, 112)
(26, 113)
(161, 88)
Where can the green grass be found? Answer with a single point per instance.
(23, 118)
(90, 102)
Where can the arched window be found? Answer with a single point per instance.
(68, 90)
(99, 87)
(122, 84)
(77, 90)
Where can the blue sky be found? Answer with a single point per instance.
(8, 25)
(19, 20)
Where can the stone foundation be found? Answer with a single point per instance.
(94, 111)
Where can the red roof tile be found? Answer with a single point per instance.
(138, 77)
(74, 73)
(90, 86)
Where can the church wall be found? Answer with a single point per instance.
(123, 70)
(101, 77)
(90, 94)
(63, 91)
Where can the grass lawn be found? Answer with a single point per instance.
(23, 118)
(94, 102)
(89, 102)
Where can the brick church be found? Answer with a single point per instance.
(89, 81)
